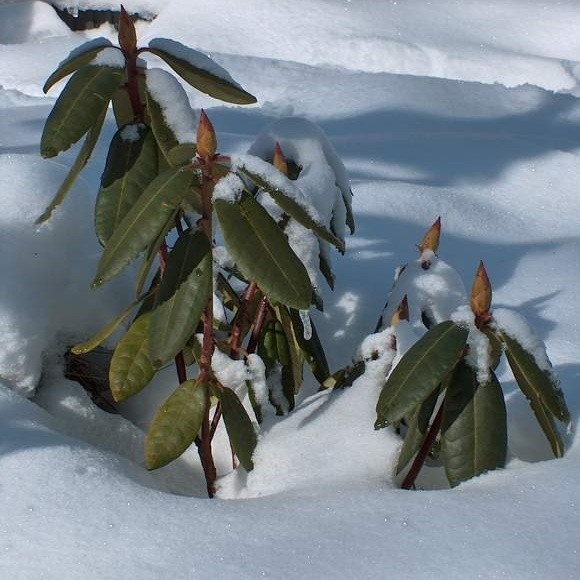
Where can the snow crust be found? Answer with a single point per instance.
(457, 109)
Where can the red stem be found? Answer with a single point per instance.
(241, 315)
(258, 325)
(409, 480)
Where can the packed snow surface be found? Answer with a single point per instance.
(459, 109)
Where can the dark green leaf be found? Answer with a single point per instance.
(181, 154)
(349, 217)
(131, 368)
(131, 166)
(79, 107)
(144, 222)
(548, 425)
(122, 106)
(152, 252)
(182, 296)
(239, 427)
(79, 57)
(325, 268)
(293, 209)
(536, 383)
(417, 427)
(164, 135)
(495, 344)
(199, 78)
(295, 375)
(312, 348)
(176, 424)
(262, 253)
(423, 367)
(474, 429)
(77, 167)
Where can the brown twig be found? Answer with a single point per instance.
(410, 478)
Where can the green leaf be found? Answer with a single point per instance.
(176, 424)
(325, 268)
(77, 166)
(418, 424)
(548, 426)
(474, 429)
(423, 367)
(182, 296)
(106, 332)
(199, 78)
(292, 379)
(536, 383)
(349, 216)
(131, 166)
(131, 368)
(496, 346)
(312, 348)
(143, 223)
(239, 427)
(164, 135)
(181, 154)
(79, 57)
(262, 252)
(152, 252)
(79, 107)
(122, 107)
(289, 205)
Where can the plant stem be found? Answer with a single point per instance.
(241, 316)
(133, 86)
(258, 325)
(205, 375)
(410, 478)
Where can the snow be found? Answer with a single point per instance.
(168, 92)
(517, 327)
(460, 109)
(109, 57)
(229, 188)
(131, 133)
(192, 57)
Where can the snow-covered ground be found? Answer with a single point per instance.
(464, 109)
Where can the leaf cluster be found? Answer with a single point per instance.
(453, 410)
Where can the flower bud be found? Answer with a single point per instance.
(481, 294)
(127, 35)
(206, 138)
(279, 161)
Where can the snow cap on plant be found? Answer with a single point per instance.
(206, 138)
(481, 294)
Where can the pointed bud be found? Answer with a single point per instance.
(481, 294)
(402, 312)
(127, 35)
(431, 239)
(279, 161)
(206, 139)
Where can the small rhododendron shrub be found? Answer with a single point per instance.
(434, 357)
(224, 287)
